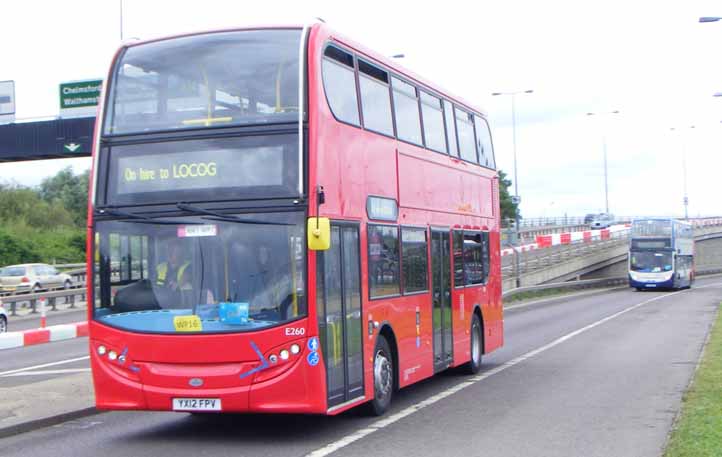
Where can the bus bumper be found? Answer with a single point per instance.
(668, 284)
(295, 386)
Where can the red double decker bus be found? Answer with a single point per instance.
(285, 221)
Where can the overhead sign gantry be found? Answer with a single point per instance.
(69, 135)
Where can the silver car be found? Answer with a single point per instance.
(3, 320)
(602, 221)
(32, 277)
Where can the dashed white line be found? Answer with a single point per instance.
(385, 422)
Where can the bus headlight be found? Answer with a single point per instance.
(102, 350)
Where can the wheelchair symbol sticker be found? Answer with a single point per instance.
(313, 359)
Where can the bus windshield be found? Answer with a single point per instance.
(651, 262)
(204, 273)
(652, 227)
(214, 79)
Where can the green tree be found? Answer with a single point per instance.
(14, 249)
(508, 208)
(69, 190)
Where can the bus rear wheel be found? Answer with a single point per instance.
(475, 347)
(383, 378)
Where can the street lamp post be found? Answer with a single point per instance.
(516, 200)
(121, 20)
(604, 152)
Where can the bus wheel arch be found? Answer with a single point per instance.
(385, 343)
(388, 333)
(477, 311)
(476, 337)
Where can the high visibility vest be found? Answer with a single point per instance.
(162, 272)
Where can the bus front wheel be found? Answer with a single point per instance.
(383, 377)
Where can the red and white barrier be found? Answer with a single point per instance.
(61, 332)
(545, 241)
(524, 248)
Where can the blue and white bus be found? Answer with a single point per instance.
(661, 254)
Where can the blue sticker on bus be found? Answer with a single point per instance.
(418, 341)
(313, 344)
(313, 358)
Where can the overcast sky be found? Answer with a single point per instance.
(655, 64)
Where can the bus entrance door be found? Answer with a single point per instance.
(339, 312)
(441, 287)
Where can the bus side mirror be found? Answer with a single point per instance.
(319, 233)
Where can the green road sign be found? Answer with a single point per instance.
(80, 94)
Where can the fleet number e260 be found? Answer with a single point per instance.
(295, 331)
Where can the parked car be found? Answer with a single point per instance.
(602, 221)
(3, 320)
(32, 277)
(589, 218)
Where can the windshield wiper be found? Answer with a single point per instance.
(225, 217)
(140, 218)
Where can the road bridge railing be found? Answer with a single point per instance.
(71, 297)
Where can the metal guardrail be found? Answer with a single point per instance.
(537, 222)
(71, 297)
(537, 259)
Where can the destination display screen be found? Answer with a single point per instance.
(651, 244)
(203, 170)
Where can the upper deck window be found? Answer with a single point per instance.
(406, 107)
(215, 79)
(467, 149)
(450, 129)
(483, 143)
(339, 82)
(433, 122)
(652, 227)
(375, 98)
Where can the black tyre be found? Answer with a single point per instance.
(383, 378)
(3, 324)
(67, 285)
(476, 348)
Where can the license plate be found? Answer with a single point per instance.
(196, 404)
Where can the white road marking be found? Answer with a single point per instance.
(47, 372)
(44, 365)
(380, 424)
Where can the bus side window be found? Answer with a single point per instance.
(433, 118)
(406, 111)
(383, 260)
(375, 99)
(483, 143)
(339, 82)
(473, 263)
(458, 240)
(414, 260)
(450, 129)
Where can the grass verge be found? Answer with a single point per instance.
(698, 431)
